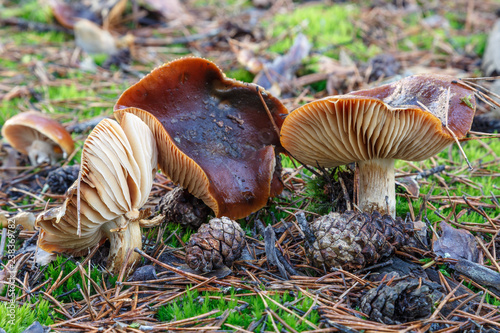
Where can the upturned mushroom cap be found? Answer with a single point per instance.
(404, 120)
(118, 164)
(25, 128)
(214, 135)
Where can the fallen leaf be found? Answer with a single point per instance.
(279, 74)
(409, 184)
(456, 244)
(144, 273)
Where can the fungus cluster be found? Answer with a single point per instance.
(217, 137)
(220, 140)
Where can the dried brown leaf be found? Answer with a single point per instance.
(456, 244)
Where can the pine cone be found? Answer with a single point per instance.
(403, 302)
(216, 244)
(180, 206)
(353, 240)
(62, 178)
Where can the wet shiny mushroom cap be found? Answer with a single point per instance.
(214, 135)
(404, 120)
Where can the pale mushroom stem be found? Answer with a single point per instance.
(123, 235)
(376, 183)
(42, 151)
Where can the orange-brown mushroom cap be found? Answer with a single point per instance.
(214, 135)
(430, 90)
(403, 120)
(24, 128)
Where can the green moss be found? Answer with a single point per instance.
(240, 74)
(30, 10)
(249, 309)
(316, 191)
(325, 26)
(25, 315)
(477, 154)
(8, 64)
(38, 38)
(183, 232)
(53, 271)
(475, 42)
(456, 19)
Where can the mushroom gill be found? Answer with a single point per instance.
(118, 164)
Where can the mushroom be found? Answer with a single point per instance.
(41, 138)
(217, 137)
(116, 177)
(411, 119)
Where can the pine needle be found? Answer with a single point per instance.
(449, 129)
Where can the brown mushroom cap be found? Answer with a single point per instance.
(214, 135)
(381, 123)
(24, 128)
(431, 90)
(118, 164)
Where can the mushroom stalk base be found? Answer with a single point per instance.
(377, 186)
(123, 236)
(43, 151)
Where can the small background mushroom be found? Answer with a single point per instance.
(41, 138)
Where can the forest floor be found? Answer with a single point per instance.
(337, 47)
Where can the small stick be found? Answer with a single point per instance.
(488, 254)
(346, 194)
(449, 130)
(481, 95)
(79, 228)
(479, 88)
(192, 277)
(284, 323)
(486, 78)
(442, 304)
(96, 286)
(277, 130)
(64, 279)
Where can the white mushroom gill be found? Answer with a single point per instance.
(118, 165)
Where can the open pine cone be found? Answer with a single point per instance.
(405, 301)
(60, 179)
(180, 206)
(216, 244)
(353, 240)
